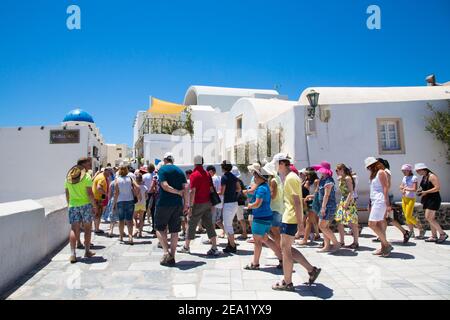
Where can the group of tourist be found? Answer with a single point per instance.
(284, 204)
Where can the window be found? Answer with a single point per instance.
(120, 155)
(239, 127)
(390, 136)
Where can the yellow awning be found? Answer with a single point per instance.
(164, 107)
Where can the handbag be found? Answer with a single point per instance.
(213, 195)
(135, 198)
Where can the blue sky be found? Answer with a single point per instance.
(126, 51)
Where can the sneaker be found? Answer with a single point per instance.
(207, 241)
(314, 274)
(229, 249)
(166, 257)
(80, 246)
(171, 261)
(183, 249)
(406, 237)
(99, 232)
(213, 252)
(73, 259)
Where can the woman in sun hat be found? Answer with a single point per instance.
(408, 189)
(347, 213)
(379, 203)
(431, 200)
(276, 204)
(262, 217)
(327, 200)
(81, 202)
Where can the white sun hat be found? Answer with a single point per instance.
(370, 161)
(236, 172)
(420, 166)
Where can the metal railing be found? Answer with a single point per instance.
(160, 126)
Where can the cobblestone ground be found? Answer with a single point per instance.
(417, 270)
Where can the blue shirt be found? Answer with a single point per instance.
(229, 180)
(263, 212)
(331, 204)
(175, 178)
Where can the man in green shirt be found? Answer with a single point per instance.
(82, 206)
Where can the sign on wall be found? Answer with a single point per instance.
(64, 136)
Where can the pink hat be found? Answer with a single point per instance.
(407, 167)
(323, 167)
(294, 169)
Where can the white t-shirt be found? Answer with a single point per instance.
(148, 178)
(132, 175)
(217, 185)
(143, 190)
(408, 181)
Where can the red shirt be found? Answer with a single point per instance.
(201, 181)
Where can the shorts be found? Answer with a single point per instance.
(139, 207)
(288, 228)
(125, 210)
(240, 213)
(329, 214)
(168, 217)
(82, 214)
(276, 219)
(261, 227)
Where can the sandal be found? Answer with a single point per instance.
(387, 251)
(442, 238)
(73, 259)
(378, 252)
(252, 266)
(431, 239)
(89, 254)
(313, 275)
(283, 286)
(280, 264)
(353, 246)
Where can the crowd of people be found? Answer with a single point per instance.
(283, 206)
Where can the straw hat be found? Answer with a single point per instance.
(76, 174)
(370, 161)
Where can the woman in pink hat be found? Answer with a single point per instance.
(327, 200)
(408, 189)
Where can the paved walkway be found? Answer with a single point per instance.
(418, 270)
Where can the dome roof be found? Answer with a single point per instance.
(78, 115)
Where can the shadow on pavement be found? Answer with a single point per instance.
(344, 253)
(399, 255)
(317, 290)
(187, 265)
(400, 243)
(92, 260)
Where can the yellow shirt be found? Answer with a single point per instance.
(99, 180)
(292, 187)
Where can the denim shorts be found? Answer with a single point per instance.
(329, 214)
(261, 227)
(125, 210)
(289, 228)
(82, 214)
(276, 219)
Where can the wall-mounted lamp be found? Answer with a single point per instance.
(19, 128)
(313, 99)
(42, 127)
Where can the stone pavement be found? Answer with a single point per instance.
(417, 270)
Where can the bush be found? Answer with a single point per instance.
(439, 126)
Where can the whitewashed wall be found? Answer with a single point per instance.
(29, 232)
(34, 168)
(351, 135)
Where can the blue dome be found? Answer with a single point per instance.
(78, 115)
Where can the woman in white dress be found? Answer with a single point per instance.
(379, 203)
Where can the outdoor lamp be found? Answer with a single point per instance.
(313, 98)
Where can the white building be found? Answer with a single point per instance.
(350, 124)
(116, 153)
(36, 159)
